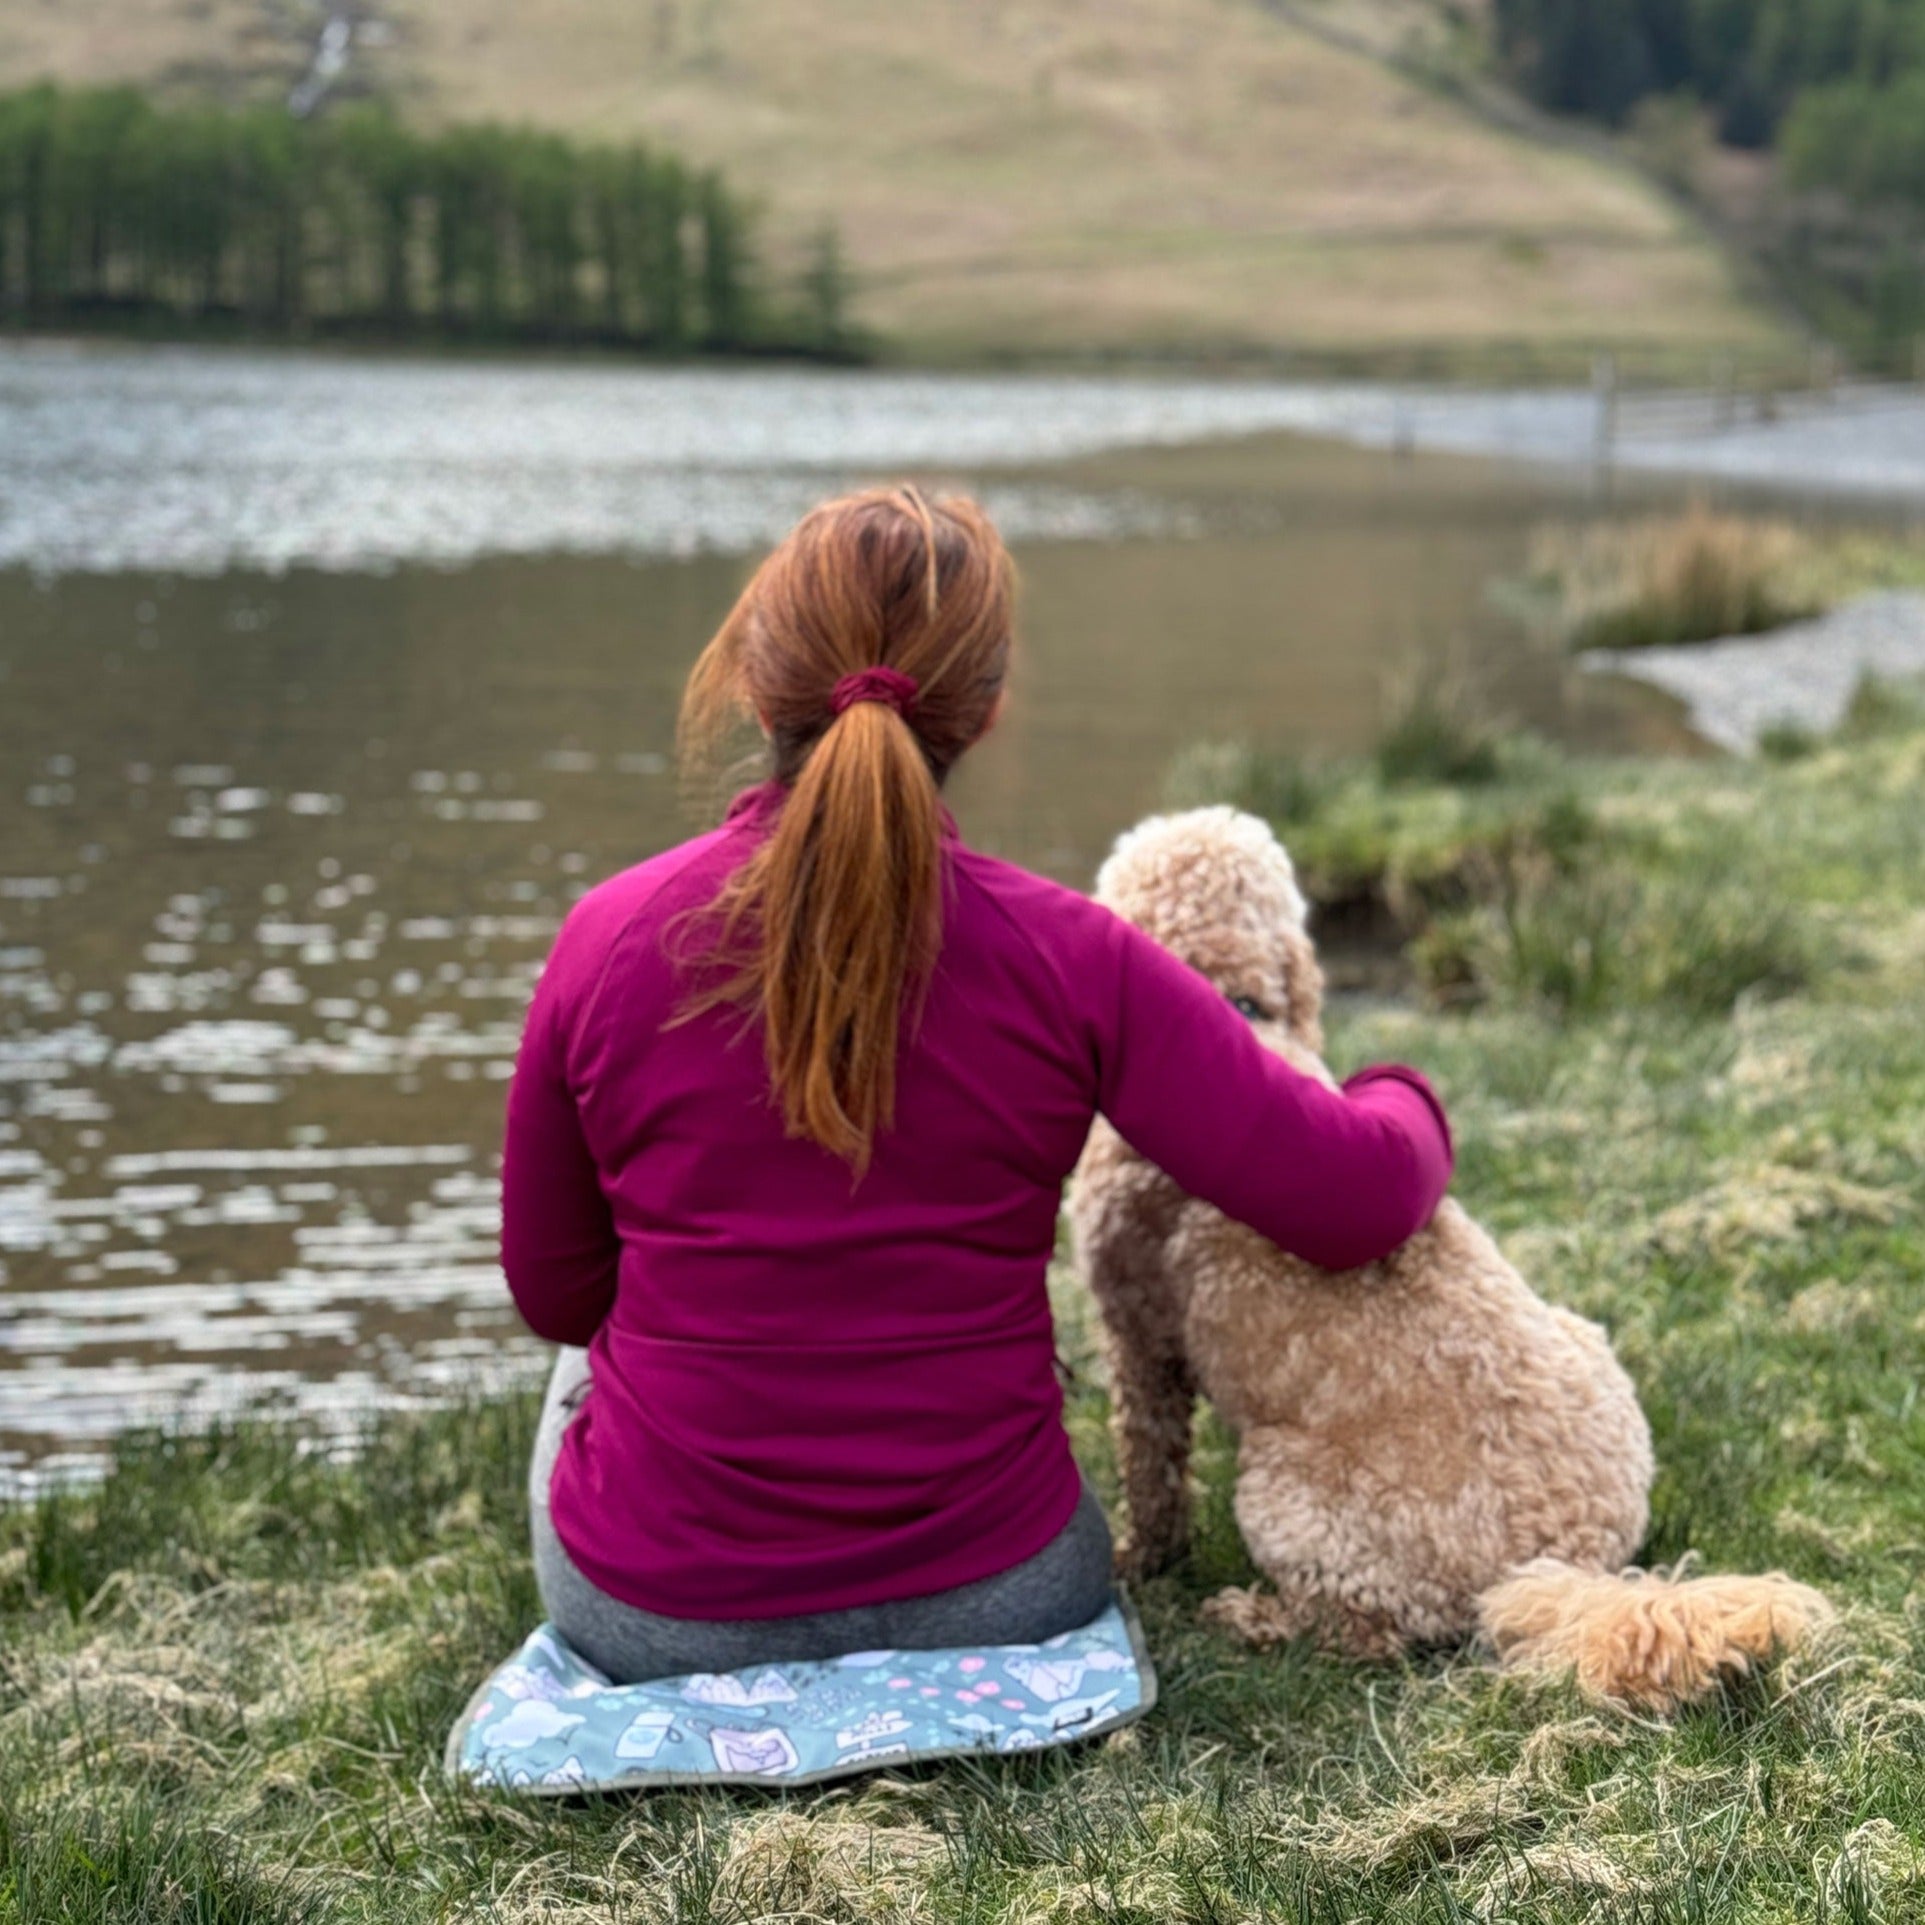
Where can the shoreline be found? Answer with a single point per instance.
(198, 460)
(1863, 445)
(1498, 367)
(1801, 677)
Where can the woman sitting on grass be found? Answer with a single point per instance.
(787, 1141)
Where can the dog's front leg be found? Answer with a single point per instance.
(1155, 1399)
(1123, 1210)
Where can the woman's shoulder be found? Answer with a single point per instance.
(1051, 917)
(637, 897)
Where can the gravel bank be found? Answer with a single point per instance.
(1804, 675)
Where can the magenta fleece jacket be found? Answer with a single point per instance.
(808, 1394)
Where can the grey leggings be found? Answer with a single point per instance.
(1063, 1585)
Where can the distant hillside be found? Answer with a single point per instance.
(1031, 176)
(1800, 123)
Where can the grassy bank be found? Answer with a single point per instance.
(227, 1674)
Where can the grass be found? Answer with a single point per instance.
(1437, 736)
(1701, 575)
(1508, 872)
(1040, 177)
(1659, 581)
(226, 1674)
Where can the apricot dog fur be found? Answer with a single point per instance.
(1426, 1449)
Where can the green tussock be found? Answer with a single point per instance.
(1587, 886)
(1700, 576)
(1438, 736)
(225, 1676)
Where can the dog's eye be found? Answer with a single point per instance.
(1249, 1009)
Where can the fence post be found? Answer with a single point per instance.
(1604, 392)
(1403, 431)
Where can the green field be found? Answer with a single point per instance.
(1015, 178)
(1685, 1053)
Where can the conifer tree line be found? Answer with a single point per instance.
(1767, 69)
(351, 223)
(1835, 88)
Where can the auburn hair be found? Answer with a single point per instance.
(829, 932)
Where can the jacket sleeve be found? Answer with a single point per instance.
(1339, 1178)
(559, 1248)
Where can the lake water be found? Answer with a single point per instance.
(325, 685)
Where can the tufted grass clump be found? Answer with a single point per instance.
(1437, 733)
(1700, 575)
(1280, 788)
(1662, 580)
(1605, 936)
(1882, 707)
(1787, 742)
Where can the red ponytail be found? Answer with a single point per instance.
(872, 645)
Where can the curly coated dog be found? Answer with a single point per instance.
(1427, 1449)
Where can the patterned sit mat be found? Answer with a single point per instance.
(549, 1724)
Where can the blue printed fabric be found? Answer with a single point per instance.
(550, 1724)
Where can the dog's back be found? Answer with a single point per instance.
(1413, 1430)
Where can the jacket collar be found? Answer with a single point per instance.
(758, 807)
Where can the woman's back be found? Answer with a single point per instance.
(792, 1117)
(813, 1391)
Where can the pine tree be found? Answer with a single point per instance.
(726, 306)
(825, 293)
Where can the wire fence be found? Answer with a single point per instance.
(1738, 396)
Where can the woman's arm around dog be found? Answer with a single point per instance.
(1337, 1177)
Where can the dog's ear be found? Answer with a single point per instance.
(1302, 990)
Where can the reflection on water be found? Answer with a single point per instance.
(283, 853)
(187, 460)
(197, 461)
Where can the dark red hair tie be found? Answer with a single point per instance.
(889, 686)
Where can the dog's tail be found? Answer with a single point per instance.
(1652, 1639)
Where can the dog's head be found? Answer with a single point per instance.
(1215, 887)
